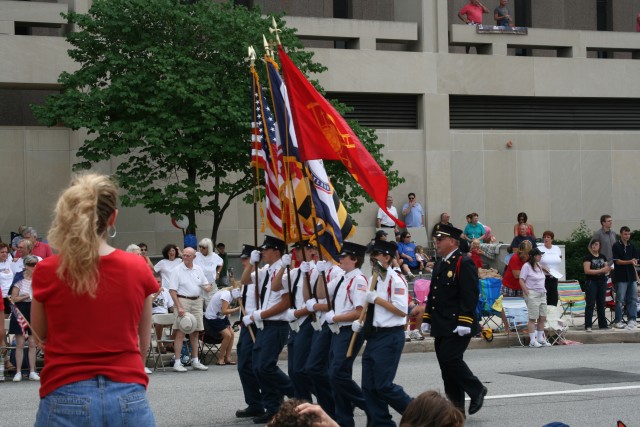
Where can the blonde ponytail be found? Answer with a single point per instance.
(79, 225)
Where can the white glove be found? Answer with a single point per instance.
(257, 315)
(316, 325)
(236, 293)
(295, 326)
(259, 323)
(247, 320)
(310, 303)
(286, 260)
(291, 315)
(334, 327)
(305, 266)
(371, 296)
(425, 327)
(462, 330)
(255, 257)
(329, 316)
(323, 266)
(356, 326)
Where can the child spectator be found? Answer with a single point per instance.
(476, 252)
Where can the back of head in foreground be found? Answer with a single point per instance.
(431, 409)
(83, 214)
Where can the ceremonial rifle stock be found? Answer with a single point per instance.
(378, 271)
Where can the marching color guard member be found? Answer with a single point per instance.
(299, 319)
(270, 318)
(384, 331)
(348, 295)
(317, 367)
(450, 314)
(244, 348)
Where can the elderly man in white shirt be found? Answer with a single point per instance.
(185, 285)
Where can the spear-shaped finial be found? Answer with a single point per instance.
(276, 30)
(252, 55)
(267, 49)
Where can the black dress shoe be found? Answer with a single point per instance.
(477, 403)
(264, 418)
(249, 412)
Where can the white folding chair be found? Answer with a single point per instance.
(517, 315)
(557, 325)
(166, 322)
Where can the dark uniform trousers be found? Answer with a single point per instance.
(379, 366)
(317, 369)
(458, 378)
(248, 379)
(298, 351)
(274, 383)
(346, 392)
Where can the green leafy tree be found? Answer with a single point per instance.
(163, 88)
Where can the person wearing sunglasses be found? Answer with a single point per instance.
(413, 213)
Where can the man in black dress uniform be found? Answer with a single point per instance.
(451, 316)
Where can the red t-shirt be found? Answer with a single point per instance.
(87, 337)
(514, 264)
(473, 12)
(476, 258)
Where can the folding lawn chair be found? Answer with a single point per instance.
(209, 344)
(571, 299)
(517, 315)
(556, 325)
(489, 293)
(166, 322)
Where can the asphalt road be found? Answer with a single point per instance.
(574, 389)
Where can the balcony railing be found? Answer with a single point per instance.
(566, 43)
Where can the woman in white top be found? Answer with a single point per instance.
(6, 276)
(170, 260)
(532, 283)
(216, 318)
(551, 260)
(211, 264)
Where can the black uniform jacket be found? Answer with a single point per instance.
(453, 296)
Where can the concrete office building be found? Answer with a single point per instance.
(547, 123)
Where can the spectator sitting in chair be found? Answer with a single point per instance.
(217, 318)
(162, 304)
(407, 253)
(474, 229)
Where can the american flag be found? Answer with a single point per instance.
(266, 154)
(24, 325)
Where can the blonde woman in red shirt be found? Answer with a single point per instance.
(91, 306)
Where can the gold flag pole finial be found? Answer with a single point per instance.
(252, 55)
(267, 49)
(276, 30)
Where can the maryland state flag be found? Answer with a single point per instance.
(324, 134)
(296, 197)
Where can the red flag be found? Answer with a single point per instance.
(323, 134)
(24, 325)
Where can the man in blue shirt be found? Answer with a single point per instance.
(412, 211)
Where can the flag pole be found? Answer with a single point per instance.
(252, 58)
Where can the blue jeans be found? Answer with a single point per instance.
(626, 293)
(96, 402)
